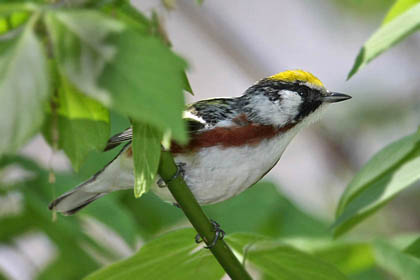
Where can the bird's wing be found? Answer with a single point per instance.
(200, 116)
(209, 112)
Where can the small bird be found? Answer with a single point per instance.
(233, 142)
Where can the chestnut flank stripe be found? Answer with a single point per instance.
(250, 134)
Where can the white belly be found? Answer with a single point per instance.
(215, 174)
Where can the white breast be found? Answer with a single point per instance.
(215, 174)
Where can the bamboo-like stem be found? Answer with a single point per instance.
(198, 219)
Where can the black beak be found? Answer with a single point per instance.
(335, 97)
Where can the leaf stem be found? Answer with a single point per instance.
(198, 219)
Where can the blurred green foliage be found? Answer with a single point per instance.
(263, 211)
(389, 172)
(171, 255)
(400, 264)
(398, 8)
(75, 122)
(25, 52)
(87, 68)
(397, 26)
(367, 8)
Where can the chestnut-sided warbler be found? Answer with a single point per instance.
(233, 143)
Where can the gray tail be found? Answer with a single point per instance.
(73, 201)
(97, 186)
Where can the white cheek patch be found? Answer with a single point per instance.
(289, 103)
(280, 112)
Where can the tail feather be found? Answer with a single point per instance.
(73, 201)
(97, 186)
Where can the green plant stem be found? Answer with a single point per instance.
(198, 219)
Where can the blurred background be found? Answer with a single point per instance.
(229, 45)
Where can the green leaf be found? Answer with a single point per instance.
(387, 36)
(146, 155)
(154, 77)
(13, 15)
(187, 85)
(81, 48)
(414, 248)
(11, 21)
(173, 255)
(9, 8)
(122, 68)
(24, 88)
(124, 11)
(389, 172)
(279, 261)
(349, 257)
(82, 123)
(399, 264)
(399, 7)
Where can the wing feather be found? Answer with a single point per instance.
(117, 139)
(199, 117)
(193, 128)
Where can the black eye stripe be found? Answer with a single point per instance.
(310, 96)
(271, 88)
(306, 108)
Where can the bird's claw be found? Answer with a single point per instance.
(219, 234)
(179, 172)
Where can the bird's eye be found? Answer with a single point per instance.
(303, 92)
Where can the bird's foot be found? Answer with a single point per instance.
(179, 172)
(218, 235)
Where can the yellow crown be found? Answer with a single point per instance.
(292, 76)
